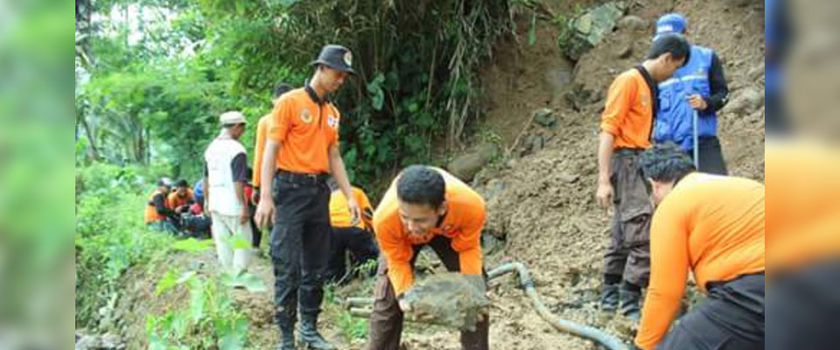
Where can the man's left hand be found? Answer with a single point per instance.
(355, 212)
(697, 102)
(245, 215)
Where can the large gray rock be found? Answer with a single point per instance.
(591, 27)
(633, 23)
(745, 102)
(453, 300)
(466, 166)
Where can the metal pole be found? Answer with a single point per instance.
(696, 142)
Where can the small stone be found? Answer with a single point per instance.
(545, 117)
(624, 51)
(756, 72)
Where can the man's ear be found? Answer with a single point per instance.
(442, 208)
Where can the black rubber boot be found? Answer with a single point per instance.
(309, 335)
(609, 297)
(286, 322)
(287, 339)
(631, 301)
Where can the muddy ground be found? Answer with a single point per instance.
(541, 197)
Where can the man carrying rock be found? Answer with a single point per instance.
(301, 151)
(712, 226)
(424, 206)
(698, 87)
(626, 128)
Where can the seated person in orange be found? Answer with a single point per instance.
(713, 227)
(181, 198)
(346, 237)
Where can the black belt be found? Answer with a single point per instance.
(301, 178)
(623, 151)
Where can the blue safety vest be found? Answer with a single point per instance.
(674, 121)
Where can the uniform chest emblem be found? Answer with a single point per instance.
(306, 116)
(332, 121)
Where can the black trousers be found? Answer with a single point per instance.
(358, 242)
(300, 243)
(732, 318)
(710, 156)
(803, 308)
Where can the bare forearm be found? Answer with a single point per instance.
(240, 193)
(605, 151)
(340, 173)
(268, 164)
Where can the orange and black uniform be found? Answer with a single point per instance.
(629, 116)
(305, 127)
(803, 245)
(712, 226)
(156, 208)
(357, 239)
(456, 240)
(174, 200)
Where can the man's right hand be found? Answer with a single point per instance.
(265, 213)
(604, 194)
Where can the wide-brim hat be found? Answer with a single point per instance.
(336, 57)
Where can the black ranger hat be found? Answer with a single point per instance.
(336, 57)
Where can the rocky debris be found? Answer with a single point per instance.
(98, 342)
(545, 117)
(466, 166)
(746, 101)
(591, 27)
(449, 299)
(624, 51)
(756, 72)
(633, 23)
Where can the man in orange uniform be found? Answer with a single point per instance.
(803, 243)
(259, 146)
(357, 239)
(424, 206)
(157, 214)
(712, 226)
(180, 200)
(301, 151)
(626, 128)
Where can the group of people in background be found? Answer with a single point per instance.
(658, 129)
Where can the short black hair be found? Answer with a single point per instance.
(281, 89)
(666, 162)
(675, 44)
(182, 183)
(420, 184)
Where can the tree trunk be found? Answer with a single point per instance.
(94, 150)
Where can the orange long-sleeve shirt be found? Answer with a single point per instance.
(628, 114)
(711, 225)
(259, 147)
(340, 212)
(465, 215)
(803, 213)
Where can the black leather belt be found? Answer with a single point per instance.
(628, 151)
(302, 178)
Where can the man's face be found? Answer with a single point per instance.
(332, 78)
(659, 190)
(670, 65)
(182, 191)
(237, 131)
(419, 218)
